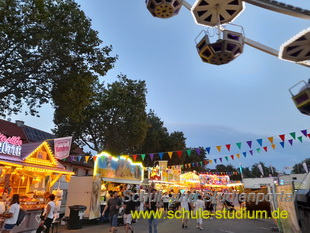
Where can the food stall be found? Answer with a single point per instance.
(190, 180)
(29, 170)
(110, 174)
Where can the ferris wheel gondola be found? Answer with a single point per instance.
(302, 98)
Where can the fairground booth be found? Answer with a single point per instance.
(110, 174)
(29, 170)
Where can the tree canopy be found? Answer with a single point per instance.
(114, 121)
(299, 167)
(48, 54)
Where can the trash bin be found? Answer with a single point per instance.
(76, 216)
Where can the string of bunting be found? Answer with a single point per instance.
(249, 144)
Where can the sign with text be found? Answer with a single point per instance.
(10, 145)
(62, 147)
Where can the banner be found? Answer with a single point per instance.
(62, 147)
(305, 167)
(260, 168)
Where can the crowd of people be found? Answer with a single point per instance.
(121, 204)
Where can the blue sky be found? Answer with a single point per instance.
(246, 99)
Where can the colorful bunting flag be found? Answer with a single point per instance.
(265, 148)
(198, 151)
(170, 154)
(179, 153)
(86, 159)
(251, 152)
(226, 157)
(273, 146)
(282, 144)
(221, 160)
(304, 132)
(134, 157)
(219, 148)
(260, 142)
(290, 141)
(239, 145)
(270, 140)
(143, 156)
(188, 152)
(249, 143)
(228, 147)
(244, 154)
(293, 135)
(232, 156)
(300, 138)
(282, 136)
(152, 156)
(208, 149)
(238, 155)
(258, 150)
(214, 160)
(161, 155)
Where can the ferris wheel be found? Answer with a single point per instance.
(229, 44)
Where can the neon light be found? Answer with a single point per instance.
(16, 141)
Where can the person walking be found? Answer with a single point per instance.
(152, 206)
(165, 199)
(185, 208)
(48, 215)
(12, 215)
(113, 204)
(199, 205)
(129, 206)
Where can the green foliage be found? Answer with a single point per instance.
(299, 168)
(114, 121)
(48, 54)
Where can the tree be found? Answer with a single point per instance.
(159, 140)
(48, 54)
(266, 170)
(299, 168)
(115, 121)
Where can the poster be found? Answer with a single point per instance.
(62, 147)
(118, 168)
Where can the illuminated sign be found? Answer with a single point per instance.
(10, 145)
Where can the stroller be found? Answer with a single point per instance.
(228, 206)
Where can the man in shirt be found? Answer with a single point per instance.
(152, 206)
(114, 203)
(129, 206)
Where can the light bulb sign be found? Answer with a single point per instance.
(10, 145)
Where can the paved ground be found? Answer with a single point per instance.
(174, 226)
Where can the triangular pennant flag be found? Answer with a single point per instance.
(244, 154)
(143, 156)
(308, 135)
(182, 166)
(251, 152)
(265, 148)
(161, 155)
(258, 150)
(185, 165)
(127, 157)
(282, 136)
(179, 153)
(238, 155)
(291, 141)
(270, 139)
(249, 143)
(304, 132)
(201, 163)
(208, 149)
(206, 162)
(170, 154)
(239, 145)
(214, 160)
(260, 142)
(226, 157)
(189, 165)
(293, 135)
(282, 144)
(79, 158)
(210, 161)
(152, 156)
(219, 148)
(228, 147)
(193, 164)
(273, 146)
(300, 138)
(232, 156)
(134, 157)
(198, 151)
(221, 159)
(94, 158)
(189, 152)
